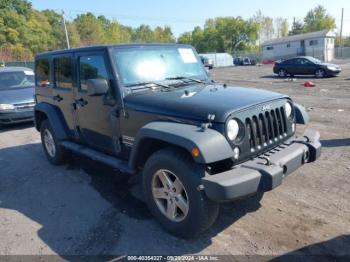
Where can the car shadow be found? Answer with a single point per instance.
(19, 126)
(292, 77)
(336, 142)
(86, 208)
(331, 250)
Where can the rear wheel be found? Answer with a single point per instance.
(171, 183)
(320, 73)
(282, 73)
(55, 153)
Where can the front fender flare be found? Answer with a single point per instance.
(212, 145)
(301, 116)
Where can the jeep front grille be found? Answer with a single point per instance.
(266, 128)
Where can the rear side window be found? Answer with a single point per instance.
(42, 72)
(63, 72)
(91, 67)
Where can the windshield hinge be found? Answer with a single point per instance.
(208, 124)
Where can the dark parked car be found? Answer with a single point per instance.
(305, 65)
(16, 95)
(152, 111)
(244, 61)
(207, 62)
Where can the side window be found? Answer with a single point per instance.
(297, 62)
(269, 48)
(42, 72)
(91, 67)
(63, 72)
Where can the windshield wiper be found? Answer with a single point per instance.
(147, 84)
(185, 78)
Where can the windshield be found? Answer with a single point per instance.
(314, 60)
(20, 79)
(157, 64)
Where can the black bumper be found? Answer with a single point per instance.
(265, 172)
(16, 117)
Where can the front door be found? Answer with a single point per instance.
(96, 120)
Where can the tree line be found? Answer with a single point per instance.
(25, 31)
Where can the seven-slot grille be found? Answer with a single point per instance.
(266, 128)
(24, 106)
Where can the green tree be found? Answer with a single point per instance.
(117, 33)
(143, 34)
(317, 19)
(282, 27)
(21, 7)
(90, 29)
(185, 38)
(297, 28)
(265, 26)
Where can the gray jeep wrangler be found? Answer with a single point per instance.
(151, 110)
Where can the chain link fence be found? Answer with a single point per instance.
(337, 53)
(28, 64)
(342, 52)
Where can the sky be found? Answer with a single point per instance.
(184, 15)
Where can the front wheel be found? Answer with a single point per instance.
(171, 183)
(320, 73)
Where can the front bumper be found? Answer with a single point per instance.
(265, 172)
(333, 72)
(16, 117)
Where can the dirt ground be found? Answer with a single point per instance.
(85, 208)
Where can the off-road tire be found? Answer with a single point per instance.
(61, 155)
(202, 212)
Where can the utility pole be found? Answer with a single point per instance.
(341, 31)
(65, 30)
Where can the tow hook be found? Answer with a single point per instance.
(267, 159)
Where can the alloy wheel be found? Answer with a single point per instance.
(49, 143)
(170, 195)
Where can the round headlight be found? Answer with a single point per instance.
(232, 129)
(288, 109)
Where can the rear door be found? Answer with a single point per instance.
(63, 92)
(289, 66)
(95, 113)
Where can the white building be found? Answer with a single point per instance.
(317, 44)
(220, 59)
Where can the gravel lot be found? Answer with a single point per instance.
(86, 208)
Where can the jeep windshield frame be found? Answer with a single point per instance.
(157, 64)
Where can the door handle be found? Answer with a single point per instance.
(57, 98)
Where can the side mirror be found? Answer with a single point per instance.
(97, 87)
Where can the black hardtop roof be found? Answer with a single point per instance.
(103, 47)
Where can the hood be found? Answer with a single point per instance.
(17, 95)
(196, 102)
(329, 64)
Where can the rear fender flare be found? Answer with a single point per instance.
(55, 118)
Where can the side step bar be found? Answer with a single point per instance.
(98, 156)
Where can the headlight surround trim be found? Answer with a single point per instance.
(234, 130)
